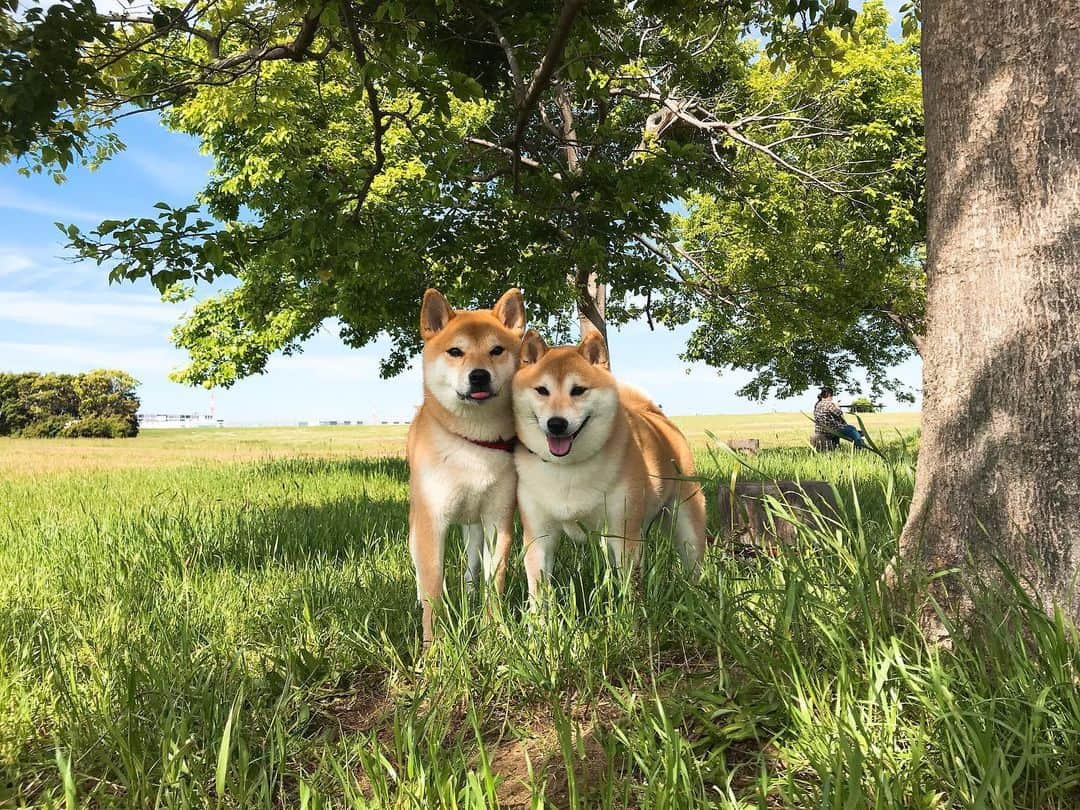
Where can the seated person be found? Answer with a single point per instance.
(829, 419)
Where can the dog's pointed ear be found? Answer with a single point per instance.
(594, 349)
(435, 314)
(532, 347)
(510, 311)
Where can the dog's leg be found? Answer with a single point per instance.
(540, 546)
(625, 551)
(665, 522)
(497, 554)
(427, 539)
(498, 521)
(689, 528)
(496, 541)
(624, 535)
(476, 549)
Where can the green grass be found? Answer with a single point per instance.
(158, 448)
(244, 633)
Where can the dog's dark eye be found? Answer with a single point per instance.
(497, 351)
(542, 391)
(455, 352)
(577, 391)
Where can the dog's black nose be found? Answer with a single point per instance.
(479, 377)
(557, 425)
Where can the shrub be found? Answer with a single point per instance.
(100, 427)
(15, 390)
(862, 405)
(48, 428)
(42, 405)
(107, 393)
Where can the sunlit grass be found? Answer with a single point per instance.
(245, 634)
(155, 448)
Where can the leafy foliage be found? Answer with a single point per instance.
(804, 285)
(363, 153)
(100, 427)
(48, 427)
(45, 82)
(97, 403)
(862, 405)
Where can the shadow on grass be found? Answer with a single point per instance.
(300, 529)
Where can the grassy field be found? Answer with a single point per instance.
(227, 618)
(159, 448)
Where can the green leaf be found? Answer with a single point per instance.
(225, 746)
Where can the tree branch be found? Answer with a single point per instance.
(569, 133)
(177, 23)
(511, 57)
(672, 109)
(506, 150)
(733, 132)
(378, 118)
(651, 245)
(916, 340)
(542, 77)
(588, 308)
(296, 50)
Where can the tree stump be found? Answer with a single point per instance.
(824, 441)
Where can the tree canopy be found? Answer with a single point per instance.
(100, 403)
(804, 283)
(365, 151)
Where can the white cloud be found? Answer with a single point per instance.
(38, 267)
(116, 315)
(354, 366)
(68, 357)
(12, 262)
(29, 204)
(177, 177)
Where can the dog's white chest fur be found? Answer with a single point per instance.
(570, 496)
(462, 480)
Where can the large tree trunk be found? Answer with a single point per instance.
(592, 307)
(592, 296)
(999, 467)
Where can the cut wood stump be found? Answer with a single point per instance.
(751, 446)
(824, 441)
(745, 509)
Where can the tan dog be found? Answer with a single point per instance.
(460, 445)
(597, 456)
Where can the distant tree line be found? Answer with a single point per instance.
(99, 404)
(862, 405)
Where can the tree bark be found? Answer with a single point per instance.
(592, 306)
(999, 466)
(592, 296)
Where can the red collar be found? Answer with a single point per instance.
(506, 445)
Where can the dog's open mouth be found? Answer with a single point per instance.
(479, 395)
(560, 446)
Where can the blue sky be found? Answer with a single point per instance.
(60, 315)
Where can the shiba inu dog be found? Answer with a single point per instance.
(460, 444)
(597, 456)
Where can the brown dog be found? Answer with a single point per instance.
(597, 456)
(460, 445)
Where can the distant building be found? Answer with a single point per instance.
(178, 420)
(318, 422)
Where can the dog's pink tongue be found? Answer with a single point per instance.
(559, 445)
(480, 394)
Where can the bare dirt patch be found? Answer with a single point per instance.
(537, 745)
